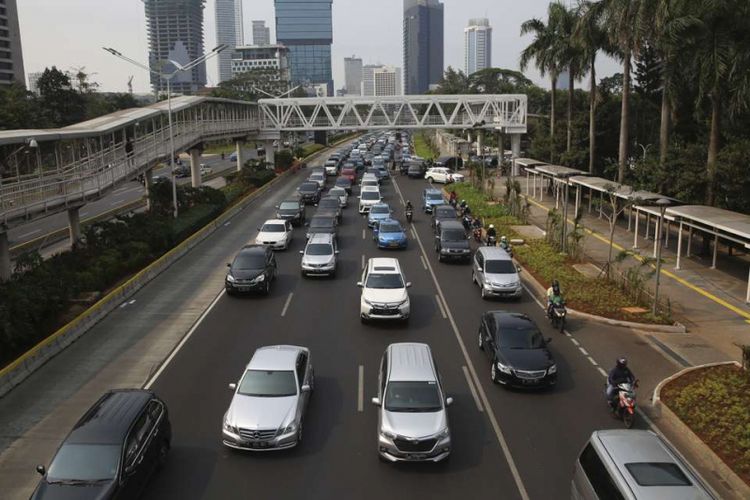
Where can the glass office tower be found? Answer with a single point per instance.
(306, 28)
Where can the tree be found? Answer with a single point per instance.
(60, 104)
(612, 209)
(498, 81)
(19, 108)
(253, 85)
(453, 82)
(571, 55)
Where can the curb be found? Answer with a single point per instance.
(692, 441)
(21, 368)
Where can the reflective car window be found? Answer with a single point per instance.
(412, 397)
(85, 462)
(268, 383)
(389, 280)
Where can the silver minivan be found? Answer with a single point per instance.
(633, 465)
(412, 416)
(319, 255)
(495, 273)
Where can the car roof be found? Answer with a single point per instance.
(494, 253)
(443, 206)
(370, 188)
(410, 361)
(392, 221)
(321, 238)
(384, 265)
(110, 418)
(451, 224)
(432, 191)
(275, 357)
(511, 320)
(380, 205)
(275, 221)
(253, 249)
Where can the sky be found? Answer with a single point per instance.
(70, 34)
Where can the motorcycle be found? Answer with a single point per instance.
(557, 314)
(508, 248)
(491, 241)
(409, 214)
(623, 407)
(477, 234)
(468, 222)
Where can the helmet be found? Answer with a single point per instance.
(556, 287)
(492, 226)
(622, 363)
(504, 239)
(408, 202)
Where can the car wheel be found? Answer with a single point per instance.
(299, 434)
(363, 320)
(483, 292)
(267, 289)
(473, 277)
(493, 372)
(230, 292)
(161, 457)
(481, 342)
(430, 180)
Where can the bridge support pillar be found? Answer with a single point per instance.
(5, 271)
(240, 161)
(74, 226)
(148, 181)
(270, 153)
(515, 147)
(480, 151)
(195, 167)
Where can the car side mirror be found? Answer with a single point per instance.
(229, 264)
(276, 206)
(518, 268)
(258, 229)
(232, 387)
(548, 340)
(307, 224)
(41, 469)
(359, 284)
(302, 252)
(376, 401)
(306, 388)
(337, 252)
(448, 401)
(479, 270)
(408, 284)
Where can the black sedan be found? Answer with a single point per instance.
(309, 192)
(517, 350)
(292, 210)
(415, 171)
(252, 270)
(441, 213)
(323, 223)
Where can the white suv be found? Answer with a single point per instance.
(276, 233)
(368, 196)
(442, 175)
(384, 294)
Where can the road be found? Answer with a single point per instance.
(507, 443)
(541, 431)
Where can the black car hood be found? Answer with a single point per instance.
(527, 359)
(57, 491)
(246, 274)
(455, 244)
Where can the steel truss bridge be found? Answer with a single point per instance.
(48, 171)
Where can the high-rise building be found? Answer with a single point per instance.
(175, 31)
(423, 44)
(477, 45)
(254, 57)
(261, 34)
(306, 28)
(353, 75)
(34, 81)
(368, 79)
(387, 81)
(229, 31)
(11, 56)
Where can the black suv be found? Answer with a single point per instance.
(292, 210)
(112, 450)
(309, 192)
(442, 213)
(252, 270)
(517, 350)
(451, 241)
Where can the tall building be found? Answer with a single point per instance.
(253, 57)
(423, 44)
(11, 56)
(387, 81)
(306, 28)
(353, 75)
(175, 31)
(368, 79)
(261, 34)
(229, 31)
(34, 81)
(477, 45)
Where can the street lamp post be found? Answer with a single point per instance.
(662, 203)
(168, 78)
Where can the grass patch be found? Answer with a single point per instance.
(714, 403)
(311, 148)
(423, 148)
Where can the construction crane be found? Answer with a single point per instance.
(130, 85)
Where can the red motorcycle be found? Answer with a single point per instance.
(624, 404)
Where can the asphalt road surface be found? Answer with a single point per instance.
(506, 443)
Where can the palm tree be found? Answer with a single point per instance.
(592, 38)
(621, 20)
(544, 50)
(571, 55)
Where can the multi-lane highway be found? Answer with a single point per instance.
(507, 443)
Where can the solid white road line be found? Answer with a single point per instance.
(187, 336)
(361, 390)
(286, 304)
(424, 264)
(440, 305)
(491, 415)
(413, 232)
(472, 389)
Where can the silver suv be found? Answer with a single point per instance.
(269, 401)
(319, 255)
(412, 416)
(495, 273)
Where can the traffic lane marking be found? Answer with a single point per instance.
(361, 389)
(286, 304)
(440, 305)
(473, 389)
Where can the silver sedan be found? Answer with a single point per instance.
(268, 407)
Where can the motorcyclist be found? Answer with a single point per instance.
(492, 232)
(409, 207)
(463, 205)
(452, 198)
(620, 374)
(554, 295)
(477, 224)
(504, 243)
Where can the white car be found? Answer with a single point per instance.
(320, 178)
(342, 195)
(368, 196)
(384, 294)
(442, 175)
(206, 170)
(276, 233)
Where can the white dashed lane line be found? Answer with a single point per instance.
(424, 264)
(286, 304)
(361, 390)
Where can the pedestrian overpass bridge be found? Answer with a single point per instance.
(53, 170)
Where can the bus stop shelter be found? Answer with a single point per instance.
(551, 175)
(525, 164)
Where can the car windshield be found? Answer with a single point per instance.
(268, 383)
(434, 196)
(319, 249)
(273, 228)
(445, 212)
(85, 462)
(387, 280)
(329, 203)
(521, 338)
(412, 397)
(390, 227)
(321, 222)
(453, 235)
(370, 195)
(499, 267)
(343, 182)
(246, 261)
(309, 186)
(289, 205)
(380, 210)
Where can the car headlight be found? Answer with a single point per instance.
(260, 279)
(388, 434)
(444, 433)
(503, 368)
(487, 285)
(403, 302)
(552, 369)
(290, 428)
(230, 278)
(230, 428)
(368, 302)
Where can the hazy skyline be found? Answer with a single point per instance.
(63, 34)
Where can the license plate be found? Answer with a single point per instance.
(243, 288)
(393, 244)
(530, 380)
(259, 445)
(419, 456)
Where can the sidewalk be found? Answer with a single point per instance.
(709, 302)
